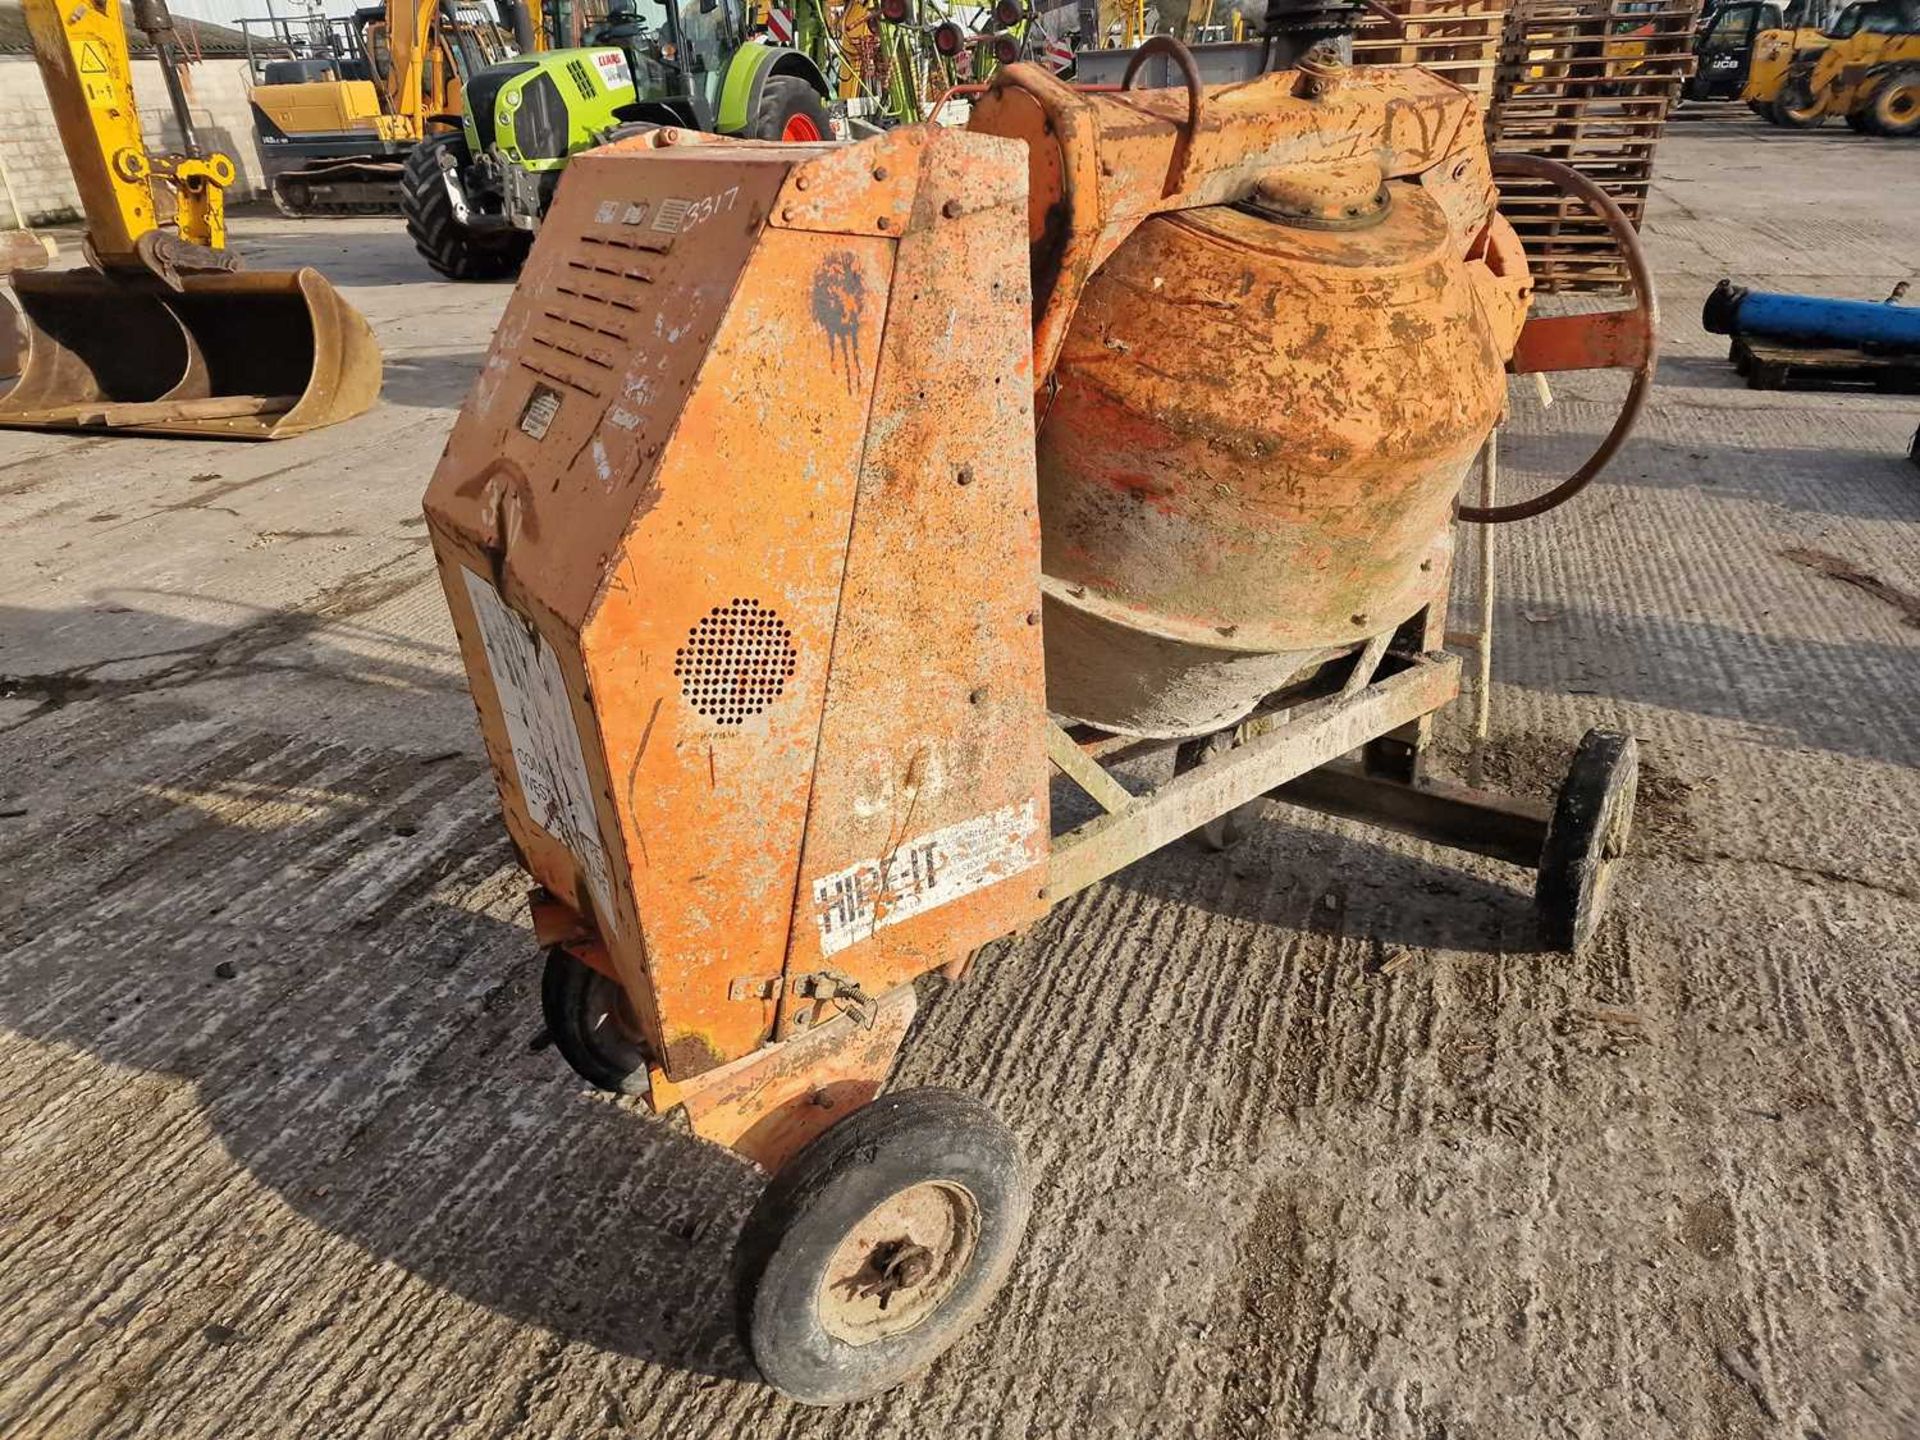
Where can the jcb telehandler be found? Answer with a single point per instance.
(1865, 69)
(473, 198)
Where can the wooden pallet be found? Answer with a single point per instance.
(1457, 39)
(1776, 365)
(1589, 83)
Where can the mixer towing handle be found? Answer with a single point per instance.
(1624, 339)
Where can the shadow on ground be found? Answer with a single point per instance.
(328, 942)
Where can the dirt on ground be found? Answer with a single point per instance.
(1324, 1145)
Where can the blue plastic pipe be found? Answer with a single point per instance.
(1810, 319)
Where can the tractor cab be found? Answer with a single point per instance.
(678, 55)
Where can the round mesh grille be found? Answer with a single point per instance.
(736, 661)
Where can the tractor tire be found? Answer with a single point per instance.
(789, 109)
(1797, 107)
(454, 250)
(1895, 108)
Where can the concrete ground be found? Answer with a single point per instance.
(1323, 1146)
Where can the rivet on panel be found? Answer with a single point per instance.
(884, 223)
(977, 697)
(879, 172)
(964, 475)
(1033, 617)
(951, 209)
(801, 182)
(786, 212)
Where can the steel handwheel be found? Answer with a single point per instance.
(1606, 340)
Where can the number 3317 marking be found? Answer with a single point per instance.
(718, 203)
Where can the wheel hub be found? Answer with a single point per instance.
(896, 1267)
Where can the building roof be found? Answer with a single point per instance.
(198, 36)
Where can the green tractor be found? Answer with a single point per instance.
(474, 197)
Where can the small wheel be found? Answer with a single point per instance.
(789, 109)
(879, 1244)
(593, 1025)
(1587, 834)
(1228, 830)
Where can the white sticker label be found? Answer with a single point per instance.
(670, 214)
(613, 69)
(922, 874)
(540, 729)
(542, 406)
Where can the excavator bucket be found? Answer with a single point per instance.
(255, 355)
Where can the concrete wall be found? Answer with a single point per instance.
(35, 167)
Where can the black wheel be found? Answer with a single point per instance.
(789, 109)
(1797, 107)
(1894, 110)
(1587, 834)
(1859, 121)
(1231, 828)
(879, 1244)
(592, 1025)
(455, 250)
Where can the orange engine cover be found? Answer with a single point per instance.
(1253, 452)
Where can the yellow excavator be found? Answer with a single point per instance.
(335, 128)
(164, 332)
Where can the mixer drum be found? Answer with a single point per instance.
(1252, 455)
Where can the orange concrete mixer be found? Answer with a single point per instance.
(821, 511)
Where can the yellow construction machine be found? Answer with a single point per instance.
(335, 127)
(1865, 69)
(164, 332)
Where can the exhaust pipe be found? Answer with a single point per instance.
(242, 356)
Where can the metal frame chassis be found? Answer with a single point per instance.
(1295, 756)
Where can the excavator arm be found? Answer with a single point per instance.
(84, 63)
(162, 335)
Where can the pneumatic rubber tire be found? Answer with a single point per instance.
(822, 1240)
(1592, 819)
(1795, 108)
(590, 1024)
(789, 109)
(1894, 110)
(451, 248)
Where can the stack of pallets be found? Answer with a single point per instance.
(1457, 39)
(1588, 83)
